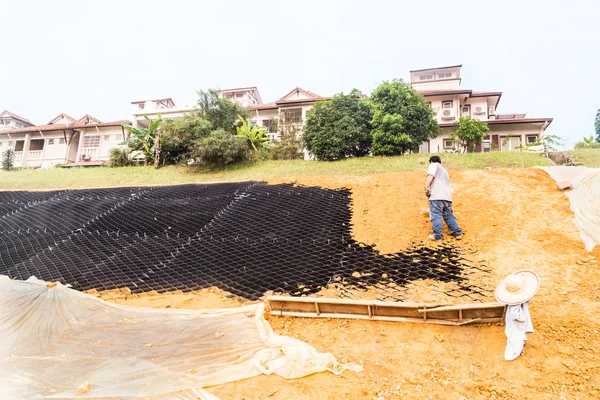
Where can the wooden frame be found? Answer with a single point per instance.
(375, 310)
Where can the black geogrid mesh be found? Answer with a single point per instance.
(246, 238)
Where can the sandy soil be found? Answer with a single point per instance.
(513, 219)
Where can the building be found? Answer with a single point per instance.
(151, 108)
(10, 121)
(442, 89)
(64, 140)
(246, 97)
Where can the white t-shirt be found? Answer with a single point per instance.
(440, 187)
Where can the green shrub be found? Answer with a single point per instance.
(119, 157)
(8, 158)
(222, 148)
(584, 145)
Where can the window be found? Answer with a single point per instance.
(239, 95)
(36, 145)
(91, 141)
(61, 141)
(531, 139)
(447, 104)
(270, 124)
(292, 115)
(445, 75)
(50, 141)
(448, 143)
(466, 111)
(7, 123)
(19, 125)
(425, 77)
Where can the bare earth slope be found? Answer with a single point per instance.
(514, 219)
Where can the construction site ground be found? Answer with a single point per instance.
(513, 219)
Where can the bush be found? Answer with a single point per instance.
(583, 145)
(288, 146)
(222, 148)
(119, 157)
(179, 138)
(8, 158)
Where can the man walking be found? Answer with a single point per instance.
(437, 189)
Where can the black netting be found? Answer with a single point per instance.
(245, 238)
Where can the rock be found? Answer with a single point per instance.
(84, 388)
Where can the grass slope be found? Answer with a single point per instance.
(79, 178)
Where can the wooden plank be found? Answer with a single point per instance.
(392, 319)
(386, 311)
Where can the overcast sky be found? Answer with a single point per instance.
(96, 57)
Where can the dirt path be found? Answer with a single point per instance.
(515, 219)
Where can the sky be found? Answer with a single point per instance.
(96, 57)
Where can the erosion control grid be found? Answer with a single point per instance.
(246, 238)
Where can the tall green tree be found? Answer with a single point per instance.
(469, 132)
(339, 128)
(146, 140)
(222, 113)
(402, 120)
(597, 126)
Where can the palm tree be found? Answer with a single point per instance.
(146, 140)
(588, 141)
(254, 134)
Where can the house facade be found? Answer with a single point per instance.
(443, 91)
(151, 108)
(64, 140)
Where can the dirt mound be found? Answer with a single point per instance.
(513, 219)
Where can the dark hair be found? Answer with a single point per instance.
(436, 159)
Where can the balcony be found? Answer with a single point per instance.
(35, 155)
(89, 152)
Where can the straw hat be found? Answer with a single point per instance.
(518, 287)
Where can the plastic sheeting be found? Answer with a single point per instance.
(54, 339)
(584, 198)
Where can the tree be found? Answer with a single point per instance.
(550, 142)
(402, 120)
(597, 126)
(8, 159)
(255, 135)
(180, 136)
(221, 148)
(339, 128)
(145, 139)
(222, 113)
(469, 132)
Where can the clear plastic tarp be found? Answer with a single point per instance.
(54, 340)
(584, 198)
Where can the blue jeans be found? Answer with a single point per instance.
(443, 209)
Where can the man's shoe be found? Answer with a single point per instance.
(432, 237)
(458, 237)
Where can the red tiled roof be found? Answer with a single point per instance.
(299, 89)
(442, 92)
(238, 89)
(431, 69)
(267, 106)
(88, 117)
(507, 121)
(62, 115)
(7, 113)
(59, 127)
(155, 100)
(486, 94)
